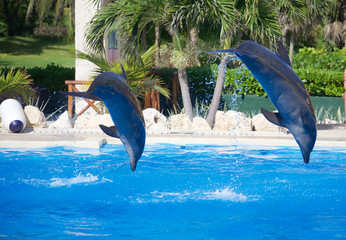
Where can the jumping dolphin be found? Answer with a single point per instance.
(124, 109)
(284, 88)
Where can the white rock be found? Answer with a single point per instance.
(180, 122)
(200, 125)
(154, 120)
(35, 118)
(232, 121)
(260, 123)
(63, 122)
(86, 121)
(329, 121)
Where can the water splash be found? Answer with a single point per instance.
(66, 182)
(225, 194)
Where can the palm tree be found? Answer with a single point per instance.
(59, 10)
(291, 15)
(335, 29)
(298, 15)
(139, 80)
(190, 16)
(179, 59)
(130, 20)
(258, 22)
(41, 7)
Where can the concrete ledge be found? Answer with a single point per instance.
(332, 136)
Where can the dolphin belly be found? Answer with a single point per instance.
(285, 90)
(129, 125)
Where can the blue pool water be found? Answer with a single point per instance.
(177, 192)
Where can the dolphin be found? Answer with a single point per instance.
(124, 109)
(285, 90)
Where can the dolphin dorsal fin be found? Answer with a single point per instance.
(123, 72)
(282, 53)
(110, 131)
(273, 117)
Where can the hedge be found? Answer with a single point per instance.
(319, 82)
(320, 59)
(51, 76)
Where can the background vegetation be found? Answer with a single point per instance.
(38, 36)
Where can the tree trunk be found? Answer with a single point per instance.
(144, 39)
(215, 102)
(41, 22)
(185, 92)
(72, 16)
(194, 40)
(291, 46)
(157, 45)
(8, 19)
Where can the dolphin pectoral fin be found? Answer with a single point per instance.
(83, 95)
(273, 117)
(123, 72)
(282, 53)
(110, 131)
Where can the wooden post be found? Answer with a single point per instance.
(70, 101)
(71, 87)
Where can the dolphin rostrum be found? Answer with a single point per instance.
(124, 109)
(284, 88)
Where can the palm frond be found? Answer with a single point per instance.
(16, 82)
(139, 79)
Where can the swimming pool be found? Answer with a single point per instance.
(177, 192)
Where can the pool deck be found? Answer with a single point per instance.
(327, 136)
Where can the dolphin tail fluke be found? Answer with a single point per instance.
(110, 131)
(83, 95)
(273, 117)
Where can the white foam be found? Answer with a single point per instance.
(225, 194)
(59, 182)
(86, 234)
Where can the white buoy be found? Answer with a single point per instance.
(12, 115)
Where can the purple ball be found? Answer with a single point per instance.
(16, 126)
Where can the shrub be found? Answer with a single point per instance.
(321, 82)
(240, 81)
(320, 59)
(50, 31)
(201, 84)
(52, 76)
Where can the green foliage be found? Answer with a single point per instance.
(15, 82)
(139, 78)
(239, 81)
(321, 71)
(321, 82)
(52, 76)
(201, 83)
(320, 59)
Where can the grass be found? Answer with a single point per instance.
(32, 52)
